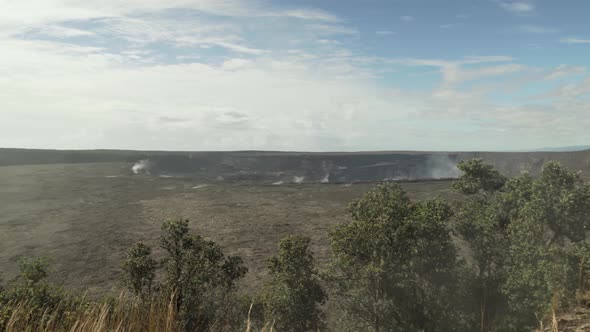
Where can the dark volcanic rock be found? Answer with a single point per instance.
(289, 167)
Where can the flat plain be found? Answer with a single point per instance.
(82, 217)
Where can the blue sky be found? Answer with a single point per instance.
(294, 75)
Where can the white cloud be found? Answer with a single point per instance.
(455, 74)
(470, 60)
(237, 63)
(17, 16)
(64, 32)
(264, 100)
(407, 18)
(228, 45)
(537, 29)
(564, 71)
(235, 92)
(569, 91)
(180, 33)
(328, 42)
(517, 7)
(489, 58)
(574, 40)
(385, 32)
(332, 29)
(311, 14)
(277, 104)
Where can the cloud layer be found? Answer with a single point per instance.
(209, 75)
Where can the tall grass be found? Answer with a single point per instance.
(120, 314)
(123, 313)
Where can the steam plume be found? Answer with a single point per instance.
(298, 179)
(141, 167)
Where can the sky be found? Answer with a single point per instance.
(296, 75)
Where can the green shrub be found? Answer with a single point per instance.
(393, 266)
(199, 278)
(294, 295)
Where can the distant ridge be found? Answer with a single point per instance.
(566, 148)
(287, 167)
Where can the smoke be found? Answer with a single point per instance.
(440, 167)
(298, 179)
(278, 183)
(327, 167)
(141, 167)
(393, 178)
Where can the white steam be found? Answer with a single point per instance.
(440, 167)
(141, 167)
(298, 179)
(393, 178)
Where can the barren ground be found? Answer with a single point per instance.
(83, 217)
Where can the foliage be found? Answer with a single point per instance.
(481, 221)
(139, 270)
(521, 234)
(199, 278)
(32, 289)
(22, 308)
(478, 178)
(477, 224)
(543, 263)
(294, 293)
(392, 266)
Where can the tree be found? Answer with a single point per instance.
(139, 270)
(199, 276)
(475, 222)
(294, 294)
(393, 266)
(542, 270)
(521, 235)
(32, 284)
(480, 220)
(478, 178)
(32, 290)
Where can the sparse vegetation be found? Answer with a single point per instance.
(510, 254)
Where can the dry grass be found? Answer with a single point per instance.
(121, 314)
(118, 315)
